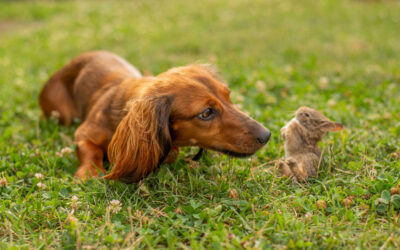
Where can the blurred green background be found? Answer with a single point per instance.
(338, 56)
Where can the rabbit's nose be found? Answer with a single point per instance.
(263, 137)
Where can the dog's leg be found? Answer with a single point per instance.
(172, 155)
(91, 160)
(91, 141)
(197, 156)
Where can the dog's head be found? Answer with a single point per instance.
(185, 106)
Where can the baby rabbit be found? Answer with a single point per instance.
(301, 135)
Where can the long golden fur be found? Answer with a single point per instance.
(128, 151)
(140, 122)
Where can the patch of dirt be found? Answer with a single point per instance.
(374, 1)
(7, 26)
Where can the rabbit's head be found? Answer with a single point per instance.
(315, 122)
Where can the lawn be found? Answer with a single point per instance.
(341, 57)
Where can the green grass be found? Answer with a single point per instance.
(342, 57)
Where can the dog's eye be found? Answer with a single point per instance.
(207, 114)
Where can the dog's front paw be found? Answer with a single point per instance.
(85, 172)
(172, 155)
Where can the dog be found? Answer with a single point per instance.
(140, 122)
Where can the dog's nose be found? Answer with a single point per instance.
(264, 137)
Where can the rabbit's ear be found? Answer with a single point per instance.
(331, 126)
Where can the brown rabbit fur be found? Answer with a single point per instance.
(301, 135)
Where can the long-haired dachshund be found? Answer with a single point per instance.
(140, 122)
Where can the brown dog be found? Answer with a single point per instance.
(139, 120)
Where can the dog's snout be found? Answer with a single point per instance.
(263, 137)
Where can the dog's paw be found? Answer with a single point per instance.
(86, 172)
(172, 155)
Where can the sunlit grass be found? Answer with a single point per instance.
(341, 57)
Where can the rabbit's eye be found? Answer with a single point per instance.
(306, 114)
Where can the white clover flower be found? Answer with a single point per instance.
(308, 216)
(74, 202)
(239, 97)
(239, 105)
(41, 185)
(64, 151)
(3, 182)
(288, 68)
(261, 86)
(55, 115)
(331, 102)
(138, 214)
(323, 82)
(115, 206)
(39, 176)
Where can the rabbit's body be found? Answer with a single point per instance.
(301, 135)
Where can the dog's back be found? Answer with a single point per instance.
(69, 93)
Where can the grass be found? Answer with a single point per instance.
(341, 57)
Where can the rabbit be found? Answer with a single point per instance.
(301, 135)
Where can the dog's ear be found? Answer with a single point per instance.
(142, 139)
